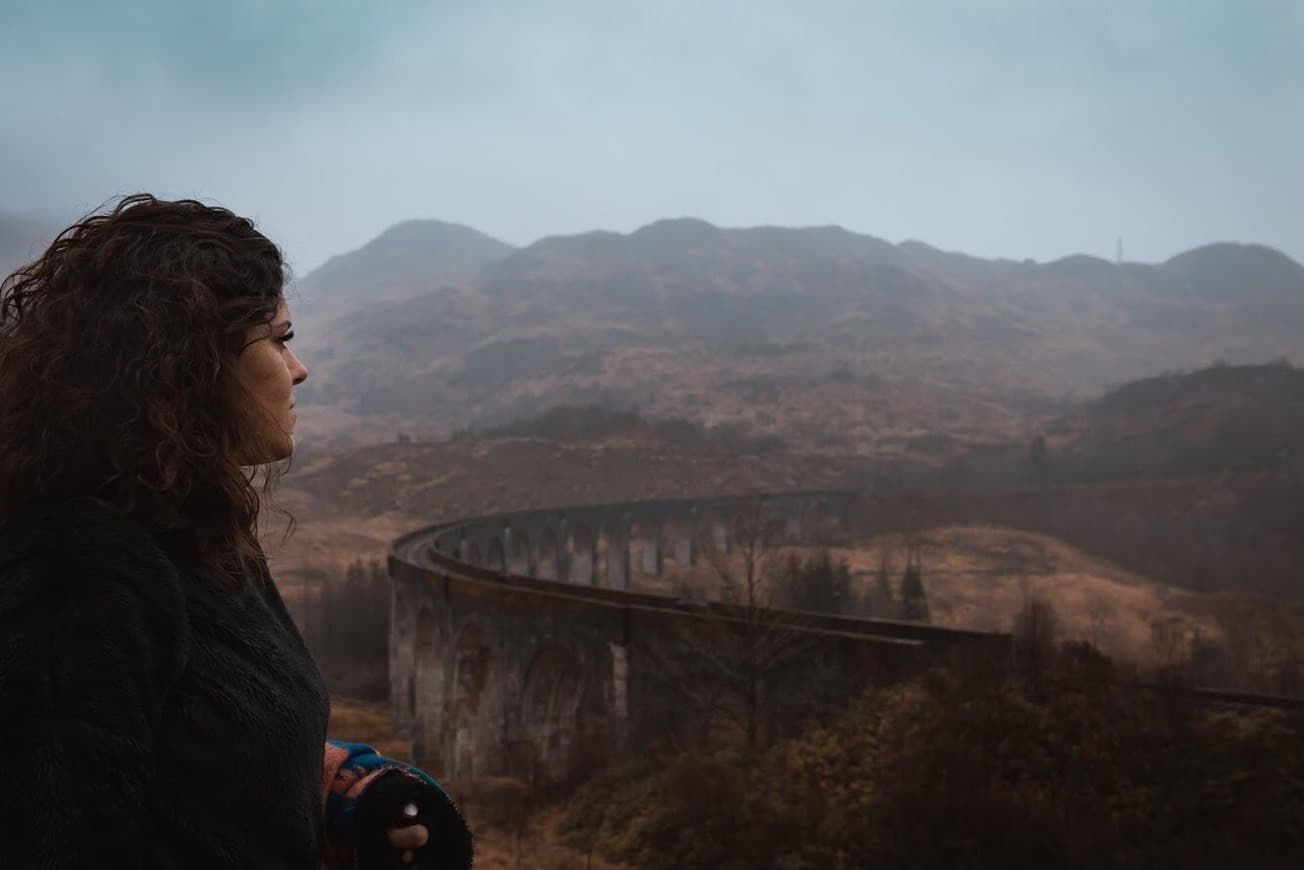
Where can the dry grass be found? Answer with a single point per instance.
(324, 544)
(538, 849)
(977, 576)
(364, 722)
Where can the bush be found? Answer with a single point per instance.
(948, 772)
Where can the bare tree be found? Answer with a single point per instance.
(1278, 656)
(1170, 644)
(1098, 614)
(729, 664)
(1035, 635)
(914, 600)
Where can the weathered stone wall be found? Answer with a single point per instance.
(497, 673)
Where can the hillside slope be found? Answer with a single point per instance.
(808, 333)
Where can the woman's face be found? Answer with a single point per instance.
(269, 370)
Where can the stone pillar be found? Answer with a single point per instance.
(619, 720)
(582, 564)
(618, 555)
(685, 549)
(650, 553)
(720, 537)
(427, 688)
(496, 556)
(561, 539)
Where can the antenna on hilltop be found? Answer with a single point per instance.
(1120, 250)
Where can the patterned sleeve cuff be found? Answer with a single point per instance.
(362, 800)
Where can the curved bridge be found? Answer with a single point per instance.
(517, 648)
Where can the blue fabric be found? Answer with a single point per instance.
(362, 761)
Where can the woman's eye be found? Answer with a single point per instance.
(284, 339)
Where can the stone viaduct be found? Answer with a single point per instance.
(518, 648)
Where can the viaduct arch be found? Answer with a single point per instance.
(518, 648)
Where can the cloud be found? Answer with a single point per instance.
(999, 128)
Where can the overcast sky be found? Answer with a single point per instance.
(1016, 129)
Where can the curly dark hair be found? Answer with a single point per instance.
(117, 352)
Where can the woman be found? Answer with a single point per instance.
(158, 708)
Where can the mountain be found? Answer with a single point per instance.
(820, 336)
(415, 255)
(404, 262)
(1227, 271)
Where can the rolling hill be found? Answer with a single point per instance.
(1219, 419)
(817, 335)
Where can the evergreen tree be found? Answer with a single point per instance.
(914, 601)
(818, 586)
(819, 579)
(1037, 459)
(842, 588)
(881, 601)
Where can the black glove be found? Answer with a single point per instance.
(381, 808)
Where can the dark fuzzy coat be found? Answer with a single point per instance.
(151, 718)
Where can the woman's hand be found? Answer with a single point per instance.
(408, 838)
(403, 821)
